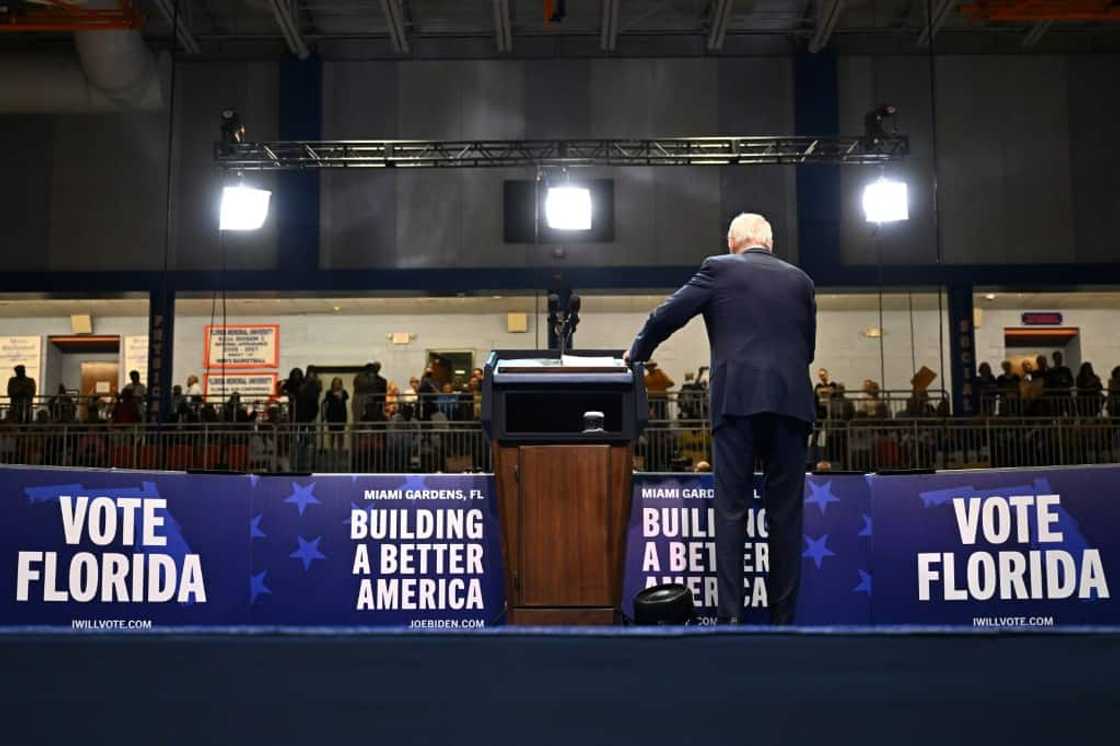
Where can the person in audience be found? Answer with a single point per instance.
(177, 399)
(658, 384)
(335, 407)
(427, 392)
(392, 401)
(307, 398)
(824, 390)
(410, 397)
(21, 394)
(233, 411)
(291, 387)
(1089, 391)
(1058, 380)
(193, 388)
(447, 402)
(474, 390)
(62, 407)
(369, 389)
(871, 405)
(1114, 393)
(986, 388)
(1059, 377)
(139, 390)
(1008, 385)
(690, 403)
(126, 411)
(1031, 388)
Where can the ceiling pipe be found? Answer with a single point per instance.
(114, 71)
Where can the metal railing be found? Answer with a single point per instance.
(429, 447)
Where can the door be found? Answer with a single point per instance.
(99, 378)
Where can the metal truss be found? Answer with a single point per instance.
(682, 151)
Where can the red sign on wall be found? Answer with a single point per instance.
(1042, 318)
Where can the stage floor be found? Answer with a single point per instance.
(561, 686)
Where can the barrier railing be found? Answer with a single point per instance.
(427, 447)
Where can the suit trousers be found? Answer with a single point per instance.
(780, 442)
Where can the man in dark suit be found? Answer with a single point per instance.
(761, 316)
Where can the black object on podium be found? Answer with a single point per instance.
(563, 429)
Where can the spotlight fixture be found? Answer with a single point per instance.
(233, 131)
(879, 125)
(885, 201)
(243, 208)
(989, 296)
(568, 208)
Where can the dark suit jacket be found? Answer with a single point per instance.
(761, 314)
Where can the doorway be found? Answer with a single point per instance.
(449, 367)
(99, 378)
(1025, 344)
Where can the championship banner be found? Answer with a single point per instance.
(25, 351)
(670, 539)
(87, 549)
(134, 357)
(997, 547)
(241, 346)
(249, 386)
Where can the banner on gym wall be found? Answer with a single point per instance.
(997, 547)
(671, 539)
(132, 550)
(99, 549)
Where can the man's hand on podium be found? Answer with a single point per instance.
(626, 357)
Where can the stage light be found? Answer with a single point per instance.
(885, 201)
(990, 296)
(568, 208)
(243, 208)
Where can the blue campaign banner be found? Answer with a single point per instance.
(997, 547)
(102, 549)
(670, 539)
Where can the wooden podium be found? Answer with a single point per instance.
(563, 492)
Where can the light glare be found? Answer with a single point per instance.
(243, 208)
(885, 201)
(568, 208)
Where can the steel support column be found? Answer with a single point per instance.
(962, 350)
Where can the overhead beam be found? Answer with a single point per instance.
(721, 14)
(394, 16)
(503, 33)
(935, 19)
(608, 29)
(287, 18)
(1036, 33)
(670, 151)
(180, 25)
(828, 15)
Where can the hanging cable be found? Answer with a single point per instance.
(913, 344)
(167, 219)
(932, 62)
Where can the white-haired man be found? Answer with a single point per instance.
(761, 317)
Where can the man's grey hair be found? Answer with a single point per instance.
(750, 229)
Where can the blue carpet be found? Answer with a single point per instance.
(549, 686)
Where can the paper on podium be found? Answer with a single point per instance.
(528, 362)
(583, 361)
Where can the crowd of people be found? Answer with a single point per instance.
(1047, 389)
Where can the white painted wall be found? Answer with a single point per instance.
(339, 339)
(1099, 336)
(58, 370)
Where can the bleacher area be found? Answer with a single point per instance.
(666, 445)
